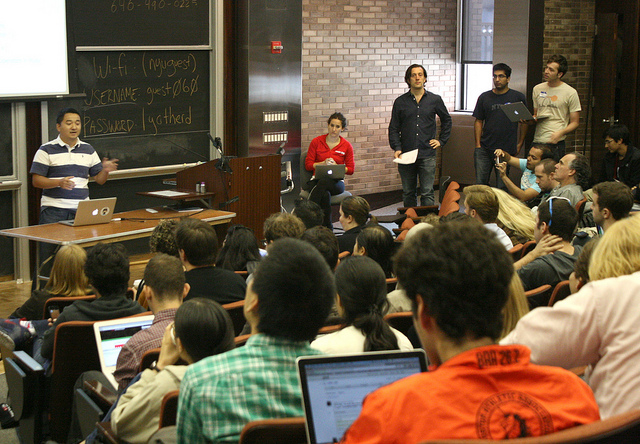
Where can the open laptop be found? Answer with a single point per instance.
(93, 211)
(336, 172)
(333, 387)
(518, 111)
(111, 336)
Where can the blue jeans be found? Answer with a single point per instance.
(484, 162)
(50, 215)
(425, 169)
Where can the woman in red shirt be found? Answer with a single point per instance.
(329, 149)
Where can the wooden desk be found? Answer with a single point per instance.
(185, 196)
(133, 225)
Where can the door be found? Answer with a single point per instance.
(606, 85)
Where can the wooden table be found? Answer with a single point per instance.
(131, 225)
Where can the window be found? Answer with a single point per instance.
(476, 51)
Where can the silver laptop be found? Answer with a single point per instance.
(336, 172)
(93, 211)
(111, 336)
(333, 387)
(517, 111)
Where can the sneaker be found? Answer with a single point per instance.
(13, 335)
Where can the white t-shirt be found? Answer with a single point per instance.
(556, 103)
(351, 340)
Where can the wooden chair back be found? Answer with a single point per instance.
(148, 358)
(401, 321)
(527, 247)
(344, 254)
(169, 409)
(539, 297)
(243, 273)
(241, 340)
(516, 252)
(560, 291)
(236, 312)
(619, 429)
(391, 284)
(274, 431)
(62, 302)
(74, 352)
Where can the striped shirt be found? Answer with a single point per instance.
(222, 393)
(57, 160)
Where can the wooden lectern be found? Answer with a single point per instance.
(254, 181)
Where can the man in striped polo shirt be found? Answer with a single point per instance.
(62, 169)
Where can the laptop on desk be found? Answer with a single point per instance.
(93, 211)
(336, 172)
(111, 336)
(333, 387)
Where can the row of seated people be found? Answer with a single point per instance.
(292, 277)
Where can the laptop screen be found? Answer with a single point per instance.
(112, 335)
(334, 387)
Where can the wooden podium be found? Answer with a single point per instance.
(254, 181)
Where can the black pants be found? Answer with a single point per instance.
(321, 192)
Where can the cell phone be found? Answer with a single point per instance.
(54, 311)
(497, 160)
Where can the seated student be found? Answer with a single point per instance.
(545, 178)
(612, 201)
(286, 304)
(572, 174)
(309, 212)
(481, 203)
(457, 276)
(162, 240)
(516, 307)
(597, 326)
(514, 217)
(107, 269)
(580, 275)
(67, 279)
(361, 300)
(136, 415)
(164, 290)
(377, 243)
(622, 160)
(240, 251)
(198, 246)
(528, 188)
(553, 258)
(281, 225)
(325, 242)
(354, 214)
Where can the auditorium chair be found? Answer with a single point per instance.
(274, 431)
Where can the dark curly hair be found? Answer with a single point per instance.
(107, 269)
(462, 273)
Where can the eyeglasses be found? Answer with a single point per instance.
(550, 200)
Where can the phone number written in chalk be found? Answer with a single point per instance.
(118, 6)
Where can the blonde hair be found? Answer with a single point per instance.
(618, 252)
(67, 274)
(515, 215)
(516, 306)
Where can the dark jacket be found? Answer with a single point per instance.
(628, 167)
(100, 309)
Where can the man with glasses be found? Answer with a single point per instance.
(493, 129)
(553, 258)
(622, 161)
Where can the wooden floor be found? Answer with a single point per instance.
(13, 295)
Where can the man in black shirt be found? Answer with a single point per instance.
(413, 127)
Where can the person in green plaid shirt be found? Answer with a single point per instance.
(286, 304)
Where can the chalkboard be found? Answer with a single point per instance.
(146, 108)
(6, 153)
(119, 23)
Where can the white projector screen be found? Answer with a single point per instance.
(33, 48)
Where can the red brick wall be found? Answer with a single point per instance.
(568, 30)
(354, 55)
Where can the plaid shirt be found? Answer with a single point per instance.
(129, 358)
(222, 393)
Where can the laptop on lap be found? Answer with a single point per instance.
(334, 387)
(336, 172)
(93, 211)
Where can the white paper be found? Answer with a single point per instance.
(168, 193)
(407, 158)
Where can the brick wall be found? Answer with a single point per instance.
(354, 55)
(568, 30)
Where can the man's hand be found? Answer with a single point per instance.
(548, 244)
(555, 137)
(503, 154)
(502, 168)
(435, 143)
(169, 352)
(67, 183)
(397, 154)
(109, 165)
